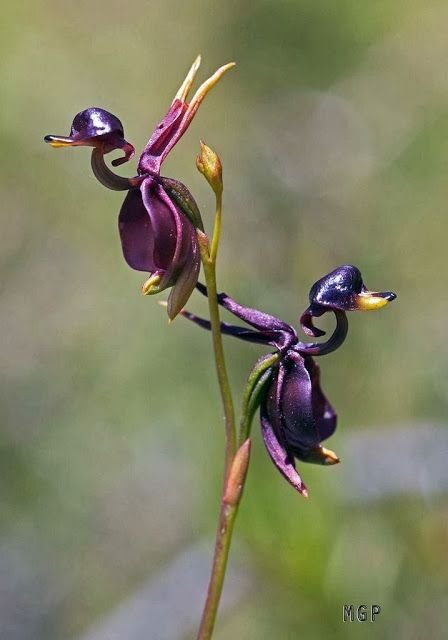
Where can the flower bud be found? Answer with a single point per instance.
(237, 474)
(209, 164)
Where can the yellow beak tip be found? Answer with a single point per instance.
(371, 301)
(56, 141)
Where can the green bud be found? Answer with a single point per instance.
(209, 164)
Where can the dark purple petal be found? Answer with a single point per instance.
(175, 238)
(165, 224)
(282, 460)
(136, 233)
(324, 414)
(158, 238)
(295, 416)
(296, 407)
(148, 229)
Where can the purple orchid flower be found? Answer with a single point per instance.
(159, 217)
(295, 415)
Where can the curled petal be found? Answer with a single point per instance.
(306, 322)
(165, 224)
(334, 341)
(282, 460)
(175, 238)
(158, 238)
(148, 229)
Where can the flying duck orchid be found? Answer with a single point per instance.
(159, 217)
(295, 415)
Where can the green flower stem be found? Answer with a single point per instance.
(233, 490)
(227, 517)
(226, 395)
(216, 228)
(236, 461)
(231, 498)
(228, 510)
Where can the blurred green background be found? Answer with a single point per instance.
(333, 135)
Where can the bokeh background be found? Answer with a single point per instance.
(333, 133)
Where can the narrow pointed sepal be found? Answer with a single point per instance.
(281, 459)
(186, 85)
(272, 330)
(177, 120)
(227, 329)
(185, 283)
